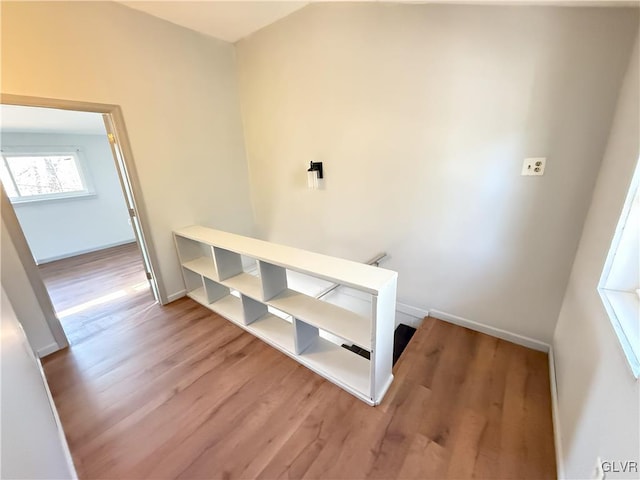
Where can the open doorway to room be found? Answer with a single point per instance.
(64, 175)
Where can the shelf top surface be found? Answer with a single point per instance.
(337, 270)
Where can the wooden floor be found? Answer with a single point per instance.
(94, 291)
(178, 392)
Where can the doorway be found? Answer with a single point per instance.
(65, 174)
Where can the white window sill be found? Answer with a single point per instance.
(19, 202)
(624, 311)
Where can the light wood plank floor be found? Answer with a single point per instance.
(178, 392)
(94, 291)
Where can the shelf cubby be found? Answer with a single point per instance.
(340, 365)
(279, 313)
(274, 330)
(332, 318)
(247, 281)
(196, 256)
(229, 307)
(249, 265)
(194, 285)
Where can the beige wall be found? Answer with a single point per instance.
(598, 396)
(423, 115)
(178, 93)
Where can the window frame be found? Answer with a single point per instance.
(43, 151)
(619, 316)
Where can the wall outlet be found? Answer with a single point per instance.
(534, 166)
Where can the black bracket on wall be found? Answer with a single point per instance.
(315, 167)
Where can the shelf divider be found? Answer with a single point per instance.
(252, 309)
(228, 264)
(214, 291)
(274, 279)
(305, 335)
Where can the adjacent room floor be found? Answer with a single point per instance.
(95, 291)
(178, 392)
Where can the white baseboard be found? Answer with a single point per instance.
(555, 415)
(493, 331)
(47, 350)
(419, 314)
(41, 261)
(175, 296)
(409, 315)
(412, 311)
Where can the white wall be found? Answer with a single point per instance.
(33, 443)
(63, 228)
(16, 283)
(422, 115)
(178, 94)
(598, 397)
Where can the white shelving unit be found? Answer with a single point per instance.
(212, 267)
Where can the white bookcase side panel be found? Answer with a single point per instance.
(228, 263)
(383, 307)
(339, 365)
(274, 330)
(305, 335)
(274, 279)
(252, 309)
(343, 323)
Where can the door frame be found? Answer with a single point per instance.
(114, 124)
(124, 175)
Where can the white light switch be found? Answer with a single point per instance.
(534, 166)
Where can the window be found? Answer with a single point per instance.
(38, 174)
(620, 283)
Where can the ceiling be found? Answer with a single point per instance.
(226, 20)
(233, 20)
(49, 120)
